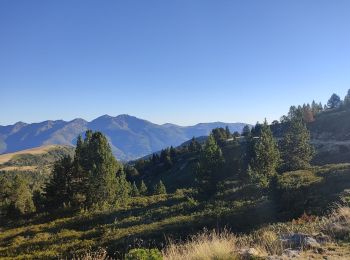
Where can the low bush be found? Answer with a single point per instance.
(144, 254)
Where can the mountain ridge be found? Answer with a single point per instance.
(130, 137)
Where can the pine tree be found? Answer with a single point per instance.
(296, 149)
(209, 172)
(246, 131)
(21, 197)
(143, 189)
(159, 188)
(265, 159)
(347, 99)
(134, 190)
(228, 133)
(59, 191)
(91, 178)
(103, 169)
(123, 188)
(334, 101)
(194, 146)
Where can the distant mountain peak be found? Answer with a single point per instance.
(130, 137)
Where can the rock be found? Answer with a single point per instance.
(322, 238)
(291, 253)
(248, 253)
(293, 240)
(310, 242)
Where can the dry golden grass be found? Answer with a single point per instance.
(37, 150)
(337, 224)
(265, 242)
(19, 168)
(204, 246)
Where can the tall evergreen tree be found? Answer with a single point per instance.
(59, 191)
(209, 172)
(347, 99)
(103, 169)
(143, 189)
(228, 132)
(265, 159)
(21, 196)
(159, 188)
(194, 145)
(94, 177)
(246, 131)
(334, 101)
(296, 149)
(134, 190)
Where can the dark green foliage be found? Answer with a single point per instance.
(334, 101)
(296, 149)
(59, 191)
(246, 131)
(143, 189)
(221, 135)
(16, 198)
(210, 168)
(134, 190)
(94, 177)
(144, 254)
(347, 100)
(159, 188)
(266, 158)
(194, 145)
(293, 191)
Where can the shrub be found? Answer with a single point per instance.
(144, 254)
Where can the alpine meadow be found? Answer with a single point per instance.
(232, 140)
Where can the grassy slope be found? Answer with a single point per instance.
(146, 221)
(32, 159)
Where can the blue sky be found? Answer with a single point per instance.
(180, 61)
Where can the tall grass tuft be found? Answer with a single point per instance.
(204, 246)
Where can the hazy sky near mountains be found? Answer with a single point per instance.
(175, 61)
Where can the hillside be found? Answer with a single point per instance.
(130, 137)
(35, 159)
(149, 221)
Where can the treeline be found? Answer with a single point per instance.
(262, 157)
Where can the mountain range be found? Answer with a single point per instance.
(130, 137)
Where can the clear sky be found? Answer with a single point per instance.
(179, 61)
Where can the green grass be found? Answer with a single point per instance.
(147, 221)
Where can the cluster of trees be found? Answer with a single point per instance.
(90, 178)
(336, 102)
(93, 177)
(262, 156)
(16, 197)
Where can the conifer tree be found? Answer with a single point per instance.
(123, 187)
(159, 188)
(296, 149)
(194, 146)
(347, 99)
(103, 169)
(143, 189)
(228, 132)
(21, 197)
(59, 191)
(209, 172)
(246, 131)
(334, 101)
(265, 159)
(134, 190)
